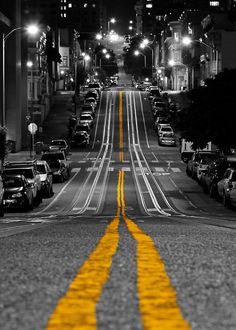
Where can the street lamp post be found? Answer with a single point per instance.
(31, 29)
(113, 21)
(187, 41)
(137, 53)
(144, 45)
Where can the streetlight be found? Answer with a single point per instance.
(111, 21)
(187, 41)
(31, 29)
(143, 45)
(137, 53)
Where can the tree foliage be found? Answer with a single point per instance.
(211, 115)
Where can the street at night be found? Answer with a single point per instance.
(118, 166)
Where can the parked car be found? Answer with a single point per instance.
(160, 121)
(30, 173)
(82, 127)
(87, 107)
(18, 192)
(96, 86)
(45, 174)
(157, 99)
(194, 162)
(203, 164)
(167, 140)
(165, 129)
(40, 147)
(92, 93)
(159, 106)
(86, 119)
(59, 170)
(81, 138)
(59, 144)
(89, 112)
(159, 113)
(213, 173)
(153, 92)
(90, 101)
(227, 187)
(1, 198)
(56, 155)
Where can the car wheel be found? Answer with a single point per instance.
(1, 209)
(212, 191)
(38, 198)
(187, 171)
(31, 205)
(48, 192)
(51, 192)
(226, 200)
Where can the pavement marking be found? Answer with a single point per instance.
(89, 169)
(175, 169)
(77, 309)
(157, 297)
(121, 128)
(159, 169)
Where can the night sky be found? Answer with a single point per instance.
(123, 11)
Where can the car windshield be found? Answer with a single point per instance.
(80, 137)
(41, 168)
(12, 182)
(85, 117)
(54, 164)
(27, 172)
(93, 86)
(52, 156)
(57, 143)
(166, 129)
(168, 135)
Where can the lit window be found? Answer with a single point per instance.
(214, 3)
(61, 15)
(70, 5)
(176, 36)
(93, 5)
(64, 15)
(85, 5)
(148, 5)
(64, 7)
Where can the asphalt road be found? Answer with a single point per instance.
(128, 242)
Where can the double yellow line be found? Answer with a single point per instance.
(157, 298)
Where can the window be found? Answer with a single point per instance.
(65, 61)
(70, 5)
(176, 36)
(214, 3)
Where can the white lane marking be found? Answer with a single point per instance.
(75, 170)
(176, 169)
(159, 169)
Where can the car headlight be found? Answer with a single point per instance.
(17, 195)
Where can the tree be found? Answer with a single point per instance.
(211, 115)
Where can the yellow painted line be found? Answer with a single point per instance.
(121, 128)
(157, 297)
(77, 309)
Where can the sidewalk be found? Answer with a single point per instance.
(54, 126)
